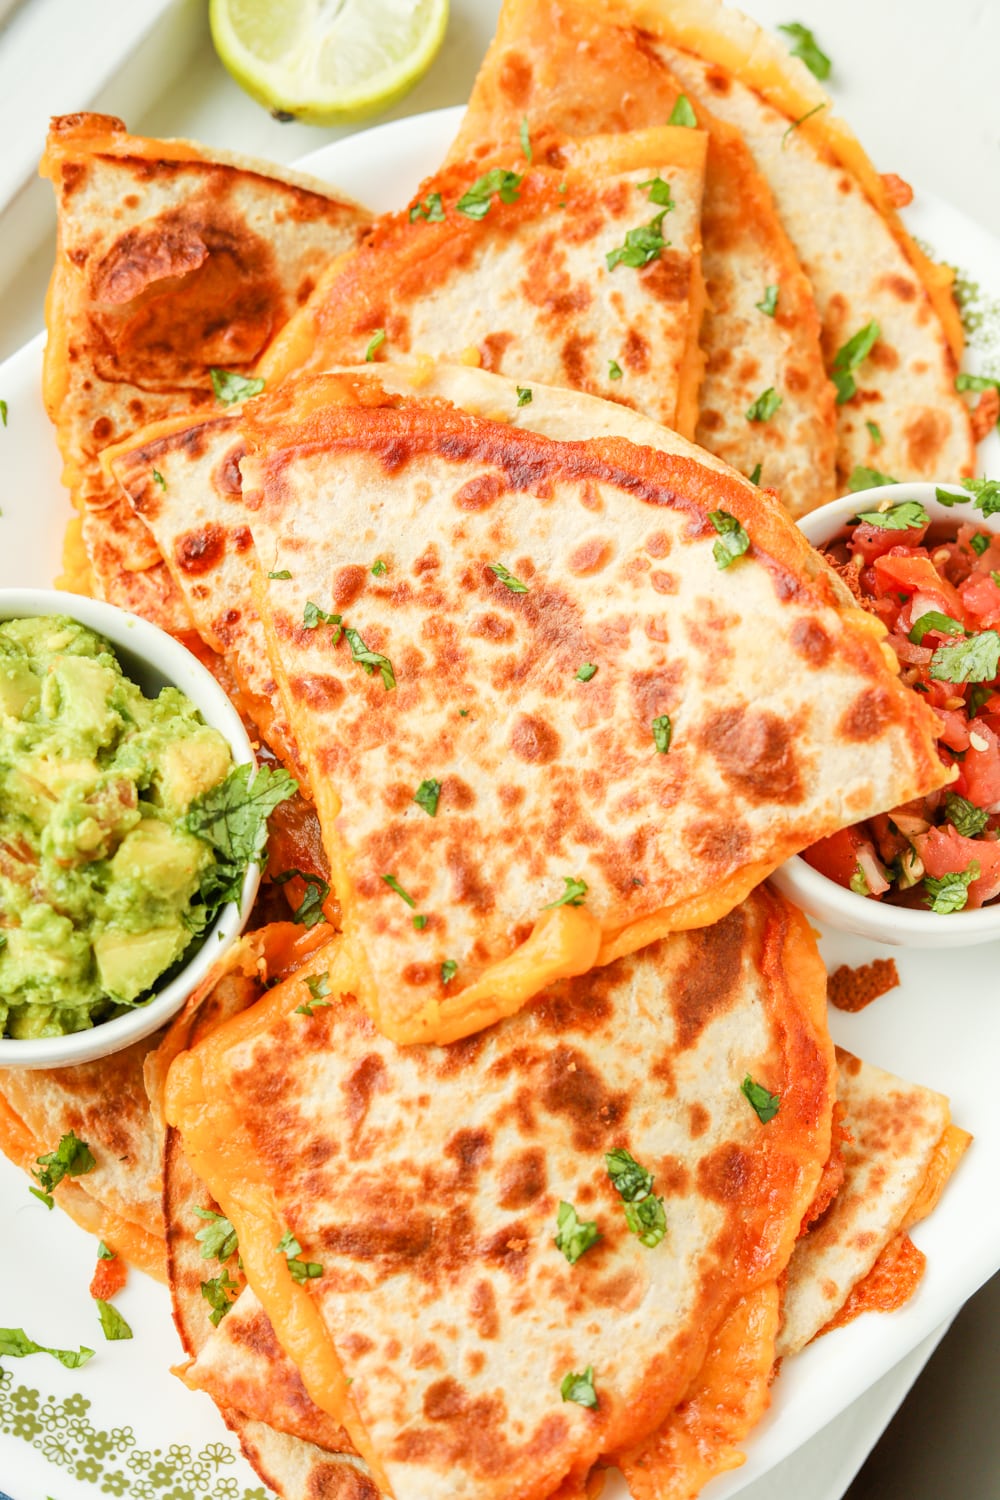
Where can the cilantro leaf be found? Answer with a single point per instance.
(432, 209)
(573, 895)
(647, 1220)
(302, 1270)
(765, 1105)
(376, 341)
(614, 370)
(113, 1325)
(514, 584)
(475, 201)
(159, 479)
(972, 660)
(935, 620)
(863, 478)
(448, 970)
(217, 1293)
(232, 818)
(394, 885)
(574, 1236)
(523, 395)
(683, 114)
(754, 478)
(318, 986)
(15, 1344)
(280, 575)
(579, 1388)
(805, 47)
(218, 1239)
(630, 1180)
(309, 912)
(103, 1253)
(420, 922)
(733, 539)
(3, 413)
(786, 137)
(849, 356)
(770, 303)
(427, 795)
(659, 192)
(964, 816)
(45, 1198)
(525, 139)
(370, 659)
(229, 386)
(71, 1158)
(312, 616)
(641, 245)
(906, 516)
(875, 433)
(986, 493)
(951, 892)
(662, 733)
(586, 672)
(765, 406)
(379, 568)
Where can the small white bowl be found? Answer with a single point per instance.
(816, 894)
(154, 660)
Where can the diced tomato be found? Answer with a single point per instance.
(899, 572)
(981, 768)
(888, 842)
(945, 851)
(981, 598)
(955, 733)
(836, 857)
(869, 542)
(109, 1278)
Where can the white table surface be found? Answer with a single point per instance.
(916, 79)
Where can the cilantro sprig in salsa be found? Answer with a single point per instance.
(939, 599)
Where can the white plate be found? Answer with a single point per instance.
(123, 1425)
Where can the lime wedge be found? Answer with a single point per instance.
(327, 61)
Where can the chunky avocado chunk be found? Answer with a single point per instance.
(100, 880)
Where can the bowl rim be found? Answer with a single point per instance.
(799, 879)
(180, 667)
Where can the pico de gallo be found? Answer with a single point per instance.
(939, 598)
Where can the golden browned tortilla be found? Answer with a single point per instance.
(171, 260)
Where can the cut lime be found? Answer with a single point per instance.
(327, 61)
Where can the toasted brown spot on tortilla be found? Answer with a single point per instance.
(523, 1179)
(811, 641)
(483, 1310)
(925, 436)
(706, 985)
(668, 277)
(755, 752)
(318, 691)
(534, 740)
(590, 557)
(198, 551)
(479, 493)
(868, 715)
(348, 583)
(900, 287)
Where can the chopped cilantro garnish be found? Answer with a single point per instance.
(525, 139)
(754, 478)
(863, 478)
(318, 986)
(951, 892)
(376, 341)
(15, 1344)
(232, 818)
(159, 479)
(906, 516)
(933, 619)
(475, 202)
(875, 433)
(765, 406)
(113, 1325)
(302, 1270)
(3, 413)
(380, 567)
(641, 245)
(514, 584)
(103, 1253)
(964, 816)
(394, 885)
(574, 1236)
(523, 395)
(580, 1388)
(309, 912)
(71, 1158)
(647, 1220)
(733, 539)
(765, 1105)
(805, 47)
(218, 1294)
(312, 616)
(586, 672)
(218, 1239)
(432, 209)
(659, 192)
(614, 370)
(770, 303)
(630, 1180)
(420, 923)
(573, 895)
(448, 970)
(426, 796)
(280, 575)
(683, 114)
(972, 660)
(849, 356)
(986, 493)
(859, 882)
(230, 387)
(948, 498)
(370, 659)
(786, 137)
(662, 732)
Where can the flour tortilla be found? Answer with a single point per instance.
(171, 259)
(445, 1212)
(797, 726)
(582, 67)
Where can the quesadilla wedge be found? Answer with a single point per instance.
(580, 67)
(171, 260)
(403, 1219)
(581, 269)
(481, 570)
(899, 412)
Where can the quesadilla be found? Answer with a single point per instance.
(581, 67)
(396, 1222)
(481, 571)
(580, 269)
(171, 261)
(891, 332)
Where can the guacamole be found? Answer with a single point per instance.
(99, 879)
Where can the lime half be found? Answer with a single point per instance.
(327, 61)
